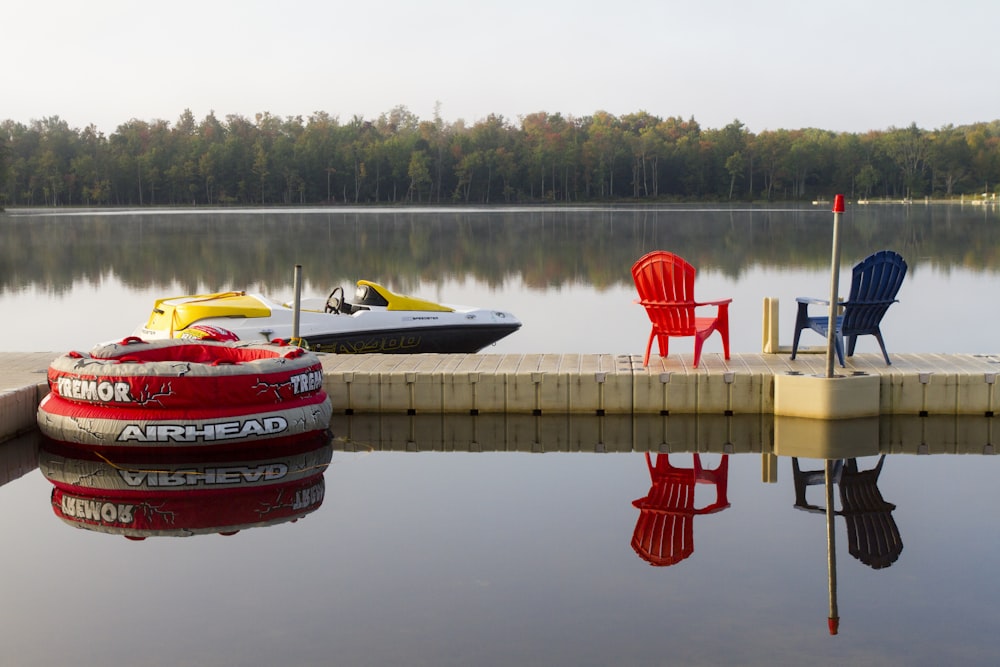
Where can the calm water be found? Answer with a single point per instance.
(454, 542)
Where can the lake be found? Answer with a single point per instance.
(422, 549)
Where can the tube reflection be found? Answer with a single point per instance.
(149, 494)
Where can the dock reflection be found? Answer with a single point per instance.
(18, 456)
(761, 434)
(165, 494)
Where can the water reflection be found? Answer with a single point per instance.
(664, 532)
(760, 434)
(872, 534)
(149, 493)
(621, 459)
(545, 247)
(18, 456)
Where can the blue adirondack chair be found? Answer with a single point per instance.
(874, 285)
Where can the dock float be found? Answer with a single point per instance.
(603, 384)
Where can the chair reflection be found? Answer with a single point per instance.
(664, 531)
(872, 534)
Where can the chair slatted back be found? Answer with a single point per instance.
(874, 284)
(668, 280)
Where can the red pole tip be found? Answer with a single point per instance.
(834, 624)
(838, 204)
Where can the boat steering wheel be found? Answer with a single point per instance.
(334, 302)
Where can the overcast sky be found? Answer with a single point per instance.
(848, 65)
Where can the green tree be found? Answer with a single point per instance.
(909, 149)
(419, 173)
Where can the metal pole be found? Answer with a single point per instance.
(833, 620)
(297, 304)
(838, 210)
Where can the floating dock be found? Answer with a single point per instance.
(918, 385)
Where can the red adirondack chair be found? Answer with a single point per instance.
(664, 532)
(666, 290)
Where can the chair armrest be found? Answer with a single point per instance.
(880, 302)
(719, 302)
(664, 304)
(811, 300)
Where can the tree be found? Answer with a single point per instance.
(4, 169)
(949, 158)
(419, 173)
(909, 149)
(735, 164)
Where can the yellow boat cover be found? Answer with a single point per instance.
(187, 310)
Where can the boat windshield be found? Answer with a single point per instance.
(365, 295)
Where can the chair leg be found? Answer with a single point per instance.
(801, 322)
(838, 344)
(649, 346)
(795, 340)
(663, 342)
(881, 344)
(722, 326)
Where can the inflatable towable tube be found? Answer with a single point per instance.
(183, 393)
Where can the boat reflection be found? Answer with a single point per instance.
(664, 532)
(151, 494)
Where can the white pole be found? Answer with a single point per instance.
(297, 304)
(838, 210)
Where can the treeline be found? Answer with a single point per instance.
(398, 158)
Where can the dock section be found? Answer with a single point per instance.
(920, 385)
(536, 384)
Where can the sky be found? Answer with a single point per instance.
(846, 66)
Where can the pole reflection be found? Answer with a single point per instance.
(872, 533)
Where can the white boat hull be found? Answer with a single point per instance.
(443, 329)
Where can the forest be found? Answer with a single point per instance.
(398, 158)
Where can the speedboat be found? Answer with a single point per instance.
(377, 321)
